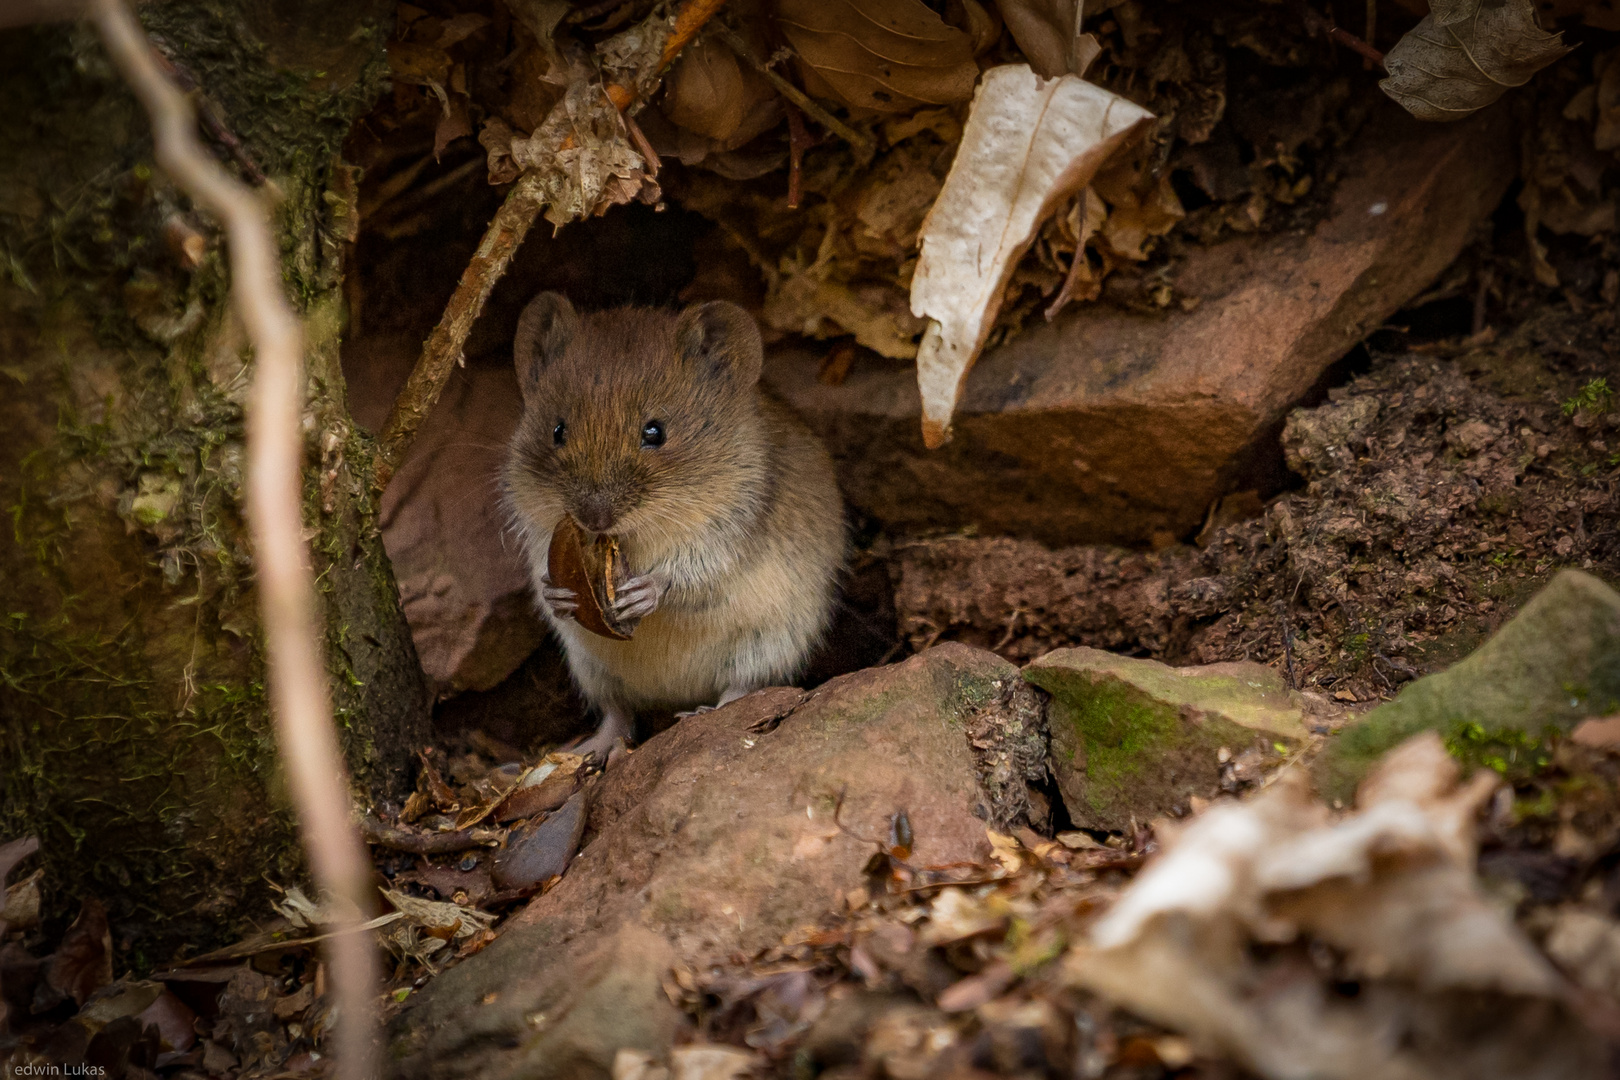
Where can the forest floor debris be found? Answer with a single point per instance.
(1268, 938)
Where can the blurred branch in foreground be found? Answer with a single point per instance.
(297, 678)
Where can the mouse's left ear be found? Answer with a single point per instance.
(721, 340)
(543, 332)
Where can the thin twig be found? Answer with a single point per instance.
(821, 116)
(645, 148)
(1071, 280)
(297, 676)
(1288, 646)
(1316, 23)
(427, 843)
(443, 349)
(799, 140)
(1372, 32)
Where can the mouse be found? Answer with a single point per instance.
(650, 426)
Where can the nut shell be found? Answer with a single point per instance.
(592, 570)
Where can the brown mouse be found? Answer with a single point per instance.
(650, 426)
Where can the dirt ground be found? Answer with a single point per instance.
(1441, 486)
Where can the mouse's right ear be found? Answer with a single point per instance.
(543, 331)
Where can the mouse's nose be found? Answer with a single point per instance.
(595, 512)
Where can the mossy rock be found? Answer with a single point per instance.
(1134, 739)
(1548, 668)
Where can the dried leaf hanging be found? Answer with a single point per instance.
(1048, 32)
(712, 94)
(888, 55)
(1029, 144)
(1141, 205)
(1465, 54)
(583, 159)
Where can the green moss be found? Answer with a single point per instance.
(1551, 666)
(136, 739)
(1134, 738)
(1121, 730)
(1514, 754)
(1595, 398)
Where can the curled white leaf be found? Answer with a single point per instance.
(1029, 144)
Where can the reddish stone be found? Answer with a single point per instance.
(716, 837)
(1109, 426)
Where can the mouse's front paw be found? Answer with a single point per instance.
(561, 602)
(638, 597)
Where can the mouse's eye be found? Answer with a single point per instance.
(652, 434)
(559, 434)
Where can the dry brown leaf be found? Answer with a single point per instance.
(1606, 135)
(705, 91)
(582, 157)
(427, 926)
(865, 236)
(20, 907)
(876, 314)
(1048, 32)
(536, 88)
(1390, 889)
(982, 24)
(1140, 206)
(541, 18)
(542, 849)
(1030, 143)
(454, 123)
(82, 964)
(1085, 220)
(496, 139)
(1465, 54)
(13, 852)
(711, 93)
(887, 55)
(460, 27)
(633, 58)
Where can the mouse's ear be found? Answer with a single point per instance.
(721, 339)
(543, 331)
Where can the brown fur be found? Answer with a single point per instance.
(738, 511)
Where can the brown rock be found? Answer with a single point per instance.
(716, 837)
(1112, 426)
(463, 584)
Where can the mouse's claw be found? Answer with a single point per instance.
(561, 602)
(638, 597)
